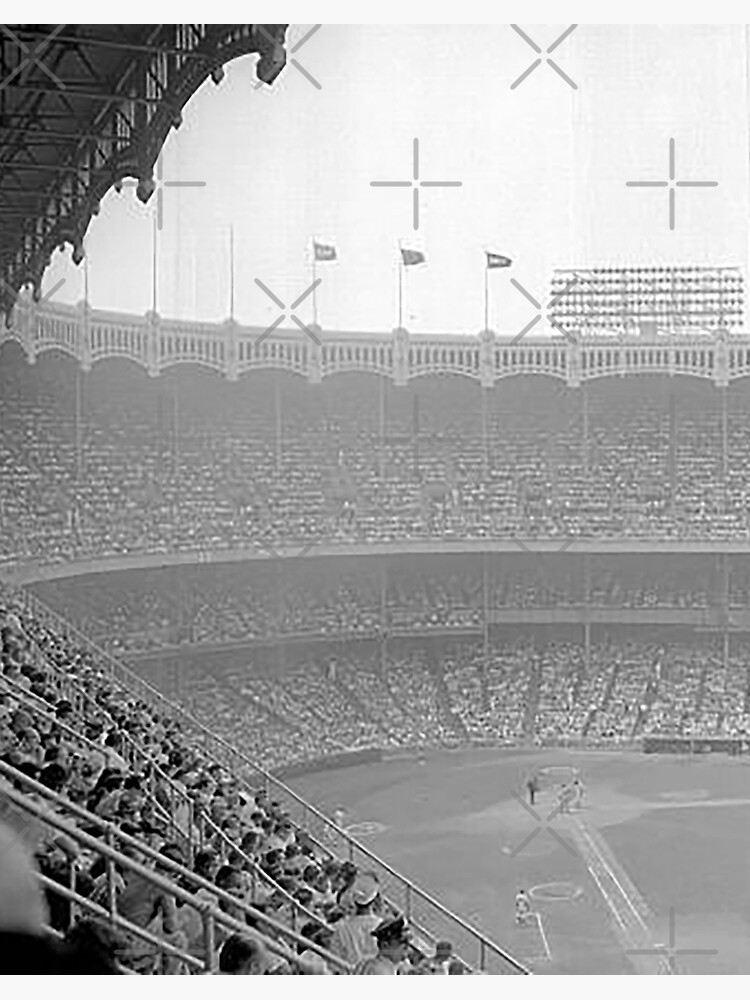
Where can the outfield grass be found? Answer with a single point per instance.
(677, 827)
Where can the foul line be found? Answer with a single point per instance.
(600, 858)
(608, 868)
(540, 925)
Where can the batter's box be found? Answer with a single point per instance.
(530, 940)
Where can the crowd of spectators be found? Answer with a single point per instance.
(137, 611)
(530, 688)
(113, 463)
(68, 725)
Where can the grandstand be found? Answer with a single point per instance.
(345, 571)
(266, 593)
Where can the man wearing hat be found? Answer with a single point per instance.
(353, 936)
(393, 939)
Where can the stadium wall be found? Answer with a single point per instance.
(333, 762)
(695, 745)
(30, 571)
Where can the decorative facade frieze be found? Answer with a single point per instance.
(156, 344)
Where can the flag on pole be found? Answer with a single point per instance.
(324, 251)
(410, 257)
(497, 260)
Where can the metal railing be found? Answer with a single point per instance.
(48, 815)
(192, 833)
(40, 708)
(433, 918)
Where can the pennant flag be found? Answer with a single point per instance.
(497, 260)
(410, 257)
(324, 251)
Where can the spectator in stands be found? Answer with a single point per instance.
(393, 943)
(241, 956)
(322, 936)
(439, 964)
(145, 904)
(353, 936)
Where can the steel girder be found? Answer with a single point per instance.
(82, 107)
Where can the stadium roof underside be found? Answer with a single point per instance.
(83, 107)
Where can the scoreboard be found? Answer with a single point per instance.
(647, 300)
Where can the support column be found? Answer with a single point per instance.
(585, 428)
(78, 429)
(673, 432)
(486, 605)
(278, 428)
(381, 429)
(384, 624)
(485, 433)
(724, 437)
(587, 645)
(279, 638)
(176, 430)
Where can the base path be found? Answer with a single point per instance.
(633, 921)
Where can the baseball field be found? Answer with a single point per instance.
(649, 876)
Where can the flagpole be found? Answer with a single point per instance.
(153, 267)
(315, 288)
(400, 287)
(231, 273)
(486, 296)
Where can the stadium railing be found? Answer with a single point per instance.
(433, 919)
(191, 833)
(40, 709)
(28, 816)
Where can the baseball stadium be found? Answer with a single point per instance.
(343, 652)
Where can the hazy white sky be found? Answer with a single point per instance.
(543, 169)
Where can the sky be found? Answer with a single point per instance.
(542, 167)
